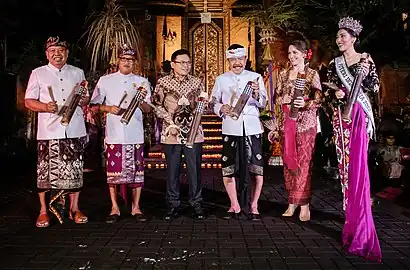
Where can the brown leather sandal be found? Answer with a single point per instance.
(79, 218)
(43, 220)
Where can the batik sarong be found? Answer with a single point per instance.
(298, 179)
(60, 169)
(125, 166)
(231, 154)
(242, 158)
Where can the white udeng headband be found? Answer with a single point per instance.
(236, 53)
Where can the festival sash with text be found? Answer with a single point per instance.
(347, 79)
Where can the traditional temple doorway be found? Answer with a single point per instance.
(205, 28)
(207, 39)
(207, 49)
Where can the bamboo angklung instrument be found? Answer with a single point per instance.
(355, 90)
(243, 99)
(300, 83)
(199, 110)
(69, 110)
(134, 104)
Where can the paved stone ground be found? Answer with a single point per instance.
(272, 243)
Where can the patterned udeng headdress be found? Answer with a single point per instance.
(125, 49)
(351, 24)
(236, 53)
(55, 41)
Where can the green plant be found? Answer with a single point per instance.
(377, 16)
(108, 29)
(274, 15)
(265, 115)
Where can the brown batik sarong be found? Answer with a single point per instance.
(60, 169)
(125, 166)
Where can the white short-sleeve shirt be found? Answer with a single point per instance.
(109, 90)
(62, 82)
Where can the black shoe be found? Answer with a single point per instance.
(244, 216)
(232, 215)
(171, 214)
(198, 212)
(254, 217)
(112, 218)
(140, 217)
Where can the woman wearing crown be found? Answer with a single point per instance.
(351, 140)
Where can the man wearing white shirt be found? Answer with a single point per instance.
(241, 153)
(124, 142)
(60, 148)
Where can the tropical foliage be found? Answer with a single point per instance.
(379, 19)
(318, 19)
(275, 15)
(107, 29)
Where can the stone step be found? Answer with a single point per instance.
(212, 130)
(213, 138)
(205, 156)
(211, 124)
(151, 163)
(212, 147)
(206, 147)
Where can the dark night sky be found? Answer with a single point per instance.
(25, 20)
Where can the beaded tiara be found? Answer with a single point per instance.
(351, 24)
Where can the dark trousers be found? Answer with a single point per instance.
(193, 158)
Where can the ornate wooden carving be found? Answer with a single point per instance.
(207, 48)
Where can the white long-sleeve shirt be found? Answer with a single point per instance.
(228, 87)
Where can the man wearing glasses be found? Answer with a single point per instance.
(241, 152)
(124, 143)
(176, 95)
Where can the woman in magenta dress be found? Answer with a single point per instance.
(299, 134)
(351, 140)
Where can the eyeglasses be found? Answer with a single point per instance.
(183, 63)
(124, 59)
